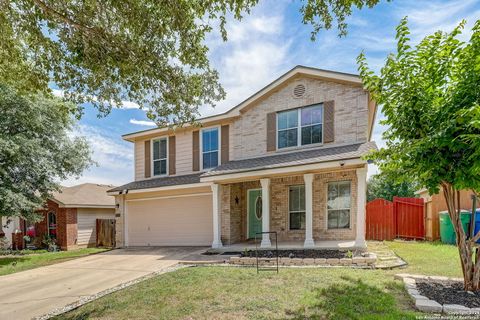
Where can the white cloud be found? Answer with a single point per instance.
(114, 157)
(255, 54)
(125, 104)
(142, 123)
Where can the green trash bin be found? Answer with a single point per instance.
(447, 233)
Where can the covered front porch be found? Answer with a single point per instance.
(316, 208)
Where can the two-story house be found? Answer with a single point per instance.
(287, 159)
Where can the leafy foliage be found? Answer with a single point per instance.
(430, 97)
(149, 52)
(36, 151)
(386, 187)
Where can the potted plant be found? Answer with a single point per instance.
(29, 237)
(50, 243)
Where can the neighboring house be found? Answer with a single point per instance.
(70, 215)
(8, 226)
(435, 204)
(287, 159)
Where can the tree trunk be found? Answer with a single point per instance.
(471, 270)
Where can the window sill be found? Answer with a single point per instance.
(304, 147)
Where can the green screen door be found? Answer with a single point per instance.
(254, 212)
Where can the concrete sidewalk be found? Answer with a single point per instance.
(32, 293)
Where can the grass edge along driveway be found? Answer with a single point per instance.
(16, 263)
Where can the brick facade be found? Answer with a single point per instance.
(249, 131)
(234, 215)
(66, 225)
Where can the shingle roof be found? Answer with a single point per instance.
(294, 158)
(86, 194)
(160, 182)
(275, 161)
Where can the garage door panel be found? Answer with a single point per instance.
(170, 221)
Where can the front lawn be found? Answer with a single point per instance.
(239, 293)
(428, 258)
(15, 263)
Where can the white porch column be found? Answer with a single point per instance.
(308, 178)
(216, 196)
(265, 212)
(361, 206)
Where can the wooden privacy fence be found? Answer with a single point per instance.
(106, 233)
(404, 218)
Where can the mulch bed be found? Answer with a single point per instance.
(448, 292)
(308, 253)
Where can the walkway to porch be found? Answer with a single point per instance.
(291, 245)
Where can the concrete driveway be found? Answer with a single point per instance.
(35, 292)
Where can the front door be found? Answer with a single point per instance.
(254, 212)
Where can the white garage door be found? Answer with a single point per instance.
(179, 221)
(86, 222)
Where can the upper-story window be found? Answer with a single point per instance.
(210, 148)
(160, 157)
(300, 126)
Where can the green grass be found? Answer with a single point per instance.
(12, 264)
(429, 258)
(239, 293)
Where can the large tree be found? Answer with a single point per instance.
(37, 150)
(149, 52)
(387, 186)
(431, 99)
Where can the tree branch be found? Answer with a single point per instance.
(52, 12)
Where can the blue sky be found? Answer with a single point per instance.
(264, 45)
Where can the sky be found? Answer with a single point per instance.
(261, 47)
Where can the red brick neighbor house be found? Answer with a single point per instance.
(70, 216)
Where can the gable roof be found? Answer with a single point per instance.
(85, 195)
(298, 70)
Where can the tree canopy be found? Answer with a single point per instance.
(386, 187)
(37, 151)
(431, 99)
(152, 53)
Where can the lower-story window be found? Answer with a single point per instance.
(296, 207)
(338, 204)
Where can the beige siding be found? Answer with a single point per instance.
(170, 221)
(184, 152)
(139, 160)
(86, 222)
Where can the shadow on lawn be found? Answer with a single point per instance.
(352, 299)
(10, 261)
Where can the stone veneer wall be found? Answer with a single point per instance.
(234, 216)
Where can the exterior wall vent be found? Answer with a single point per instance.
(299, 91)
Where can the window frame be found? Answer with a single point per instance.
(350, 209)
(219, 150)
(152, 166)
(299, 127)
(289, 212)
